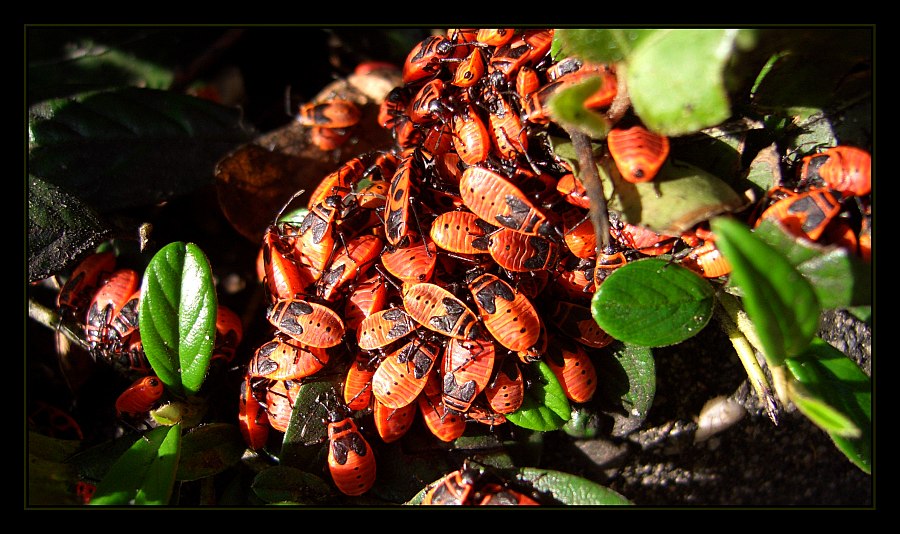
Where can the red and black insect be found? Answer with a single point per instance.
(351, 461)
(518, 252)
(310, 323)
(470, 135)
(805, 214)
(470, 70)
(113, 313)
(446, 425)
(280, 397)
(495, 199)
(427, 104)
(573, 369)
(76, 294)
(54, 422)
(335, 113)
(473, 486)
(401, 376)
(282, 276)
(358, 255)
(506, 390)
(439, 310)
(461, 232)
(844, 168)
(413, 263)
(383, 328)
(253, 421)
(140, 397)
(508, 134)
(358, 382)
(229, 332)
(467, 370)
(706, 260)
(427, 58)
(637, 152)
(405, 183)
(508, 315)
(576, 322)
(282, 358)
(366, 298)
(393, 423)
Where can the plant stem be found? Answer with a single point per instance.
(598, 211)
(745, 352)
(51, 320)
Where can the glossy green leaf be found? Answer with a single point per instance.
(799, 85)
(94, 462)
(145, 474)
(780, 302)
(208, 450)
(91, 66)
(570, 489)
(598, 45)
(280, 483)
(692, 63)
(626, 385)
(567, 108)
(61, 229)
(133, 147)
(545, 406)
(836, 395)
(653, 303)
(840, 278)
(178, 316)
(306, 434)
(680, 197)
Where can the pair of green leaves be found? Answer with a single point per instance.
(177, 322)
(783, 294)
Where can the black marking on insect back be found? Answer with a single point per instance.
(814, 214)
(486, 298)
(542, 251)
(300, 307)
(422, 362)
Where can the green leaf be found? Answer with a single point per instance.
(570, 489)
(280, 483)
(836, 395)
(61, 229)
(50, 478)
(599, 46)
(133, 147)
(780, 302)
(209, 450)
(145, 474)
(567, 108)
(799, 85)
(177, 317)
(626, 376)
(653, 303)
(95, 462)
(840, 278)
(545, 406)
(692, 63)
(306, 433)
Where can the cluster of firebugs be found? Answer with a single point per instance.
(448, 262)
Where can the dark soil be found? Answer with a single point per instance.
(753, 463)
